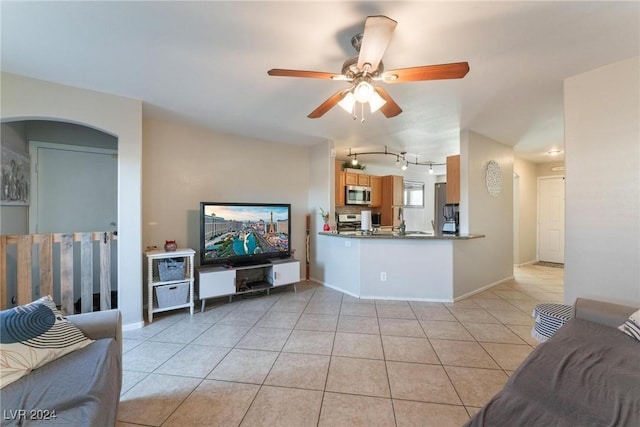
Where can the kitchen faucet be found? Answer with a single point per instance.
(402, 228)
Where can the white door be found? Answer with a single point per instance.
(74, 188)
(551, 219)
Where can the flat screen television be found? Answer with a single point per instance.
(244, 233)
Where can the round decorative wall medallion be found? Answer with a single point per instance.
(494, 178)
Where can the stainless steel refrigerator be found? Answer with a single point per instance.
(438, 206)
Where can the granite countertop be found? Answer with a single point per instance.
(414, 235)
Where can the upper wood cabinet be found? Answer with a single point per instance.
(392, 193)
(453, 179)
(376, 191)
(351, 178)
(364, 180)
(340, 194)
(360, 179)
(340, 183)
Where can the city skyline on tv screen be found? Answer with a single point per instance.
(236, 231)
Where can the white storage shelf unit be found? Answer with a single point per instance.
(221, 281)
(176, 290)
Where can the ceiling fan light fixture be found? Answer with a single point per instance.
(363, 92)
(354, 161)
(348, 102)
(376, 102)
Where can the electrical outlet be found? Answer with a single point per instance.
(383, 276)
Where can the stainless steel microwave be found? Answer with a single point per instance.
(356, 195)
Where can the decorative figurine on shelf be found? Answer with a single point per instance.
(170, 245)
(325, 218)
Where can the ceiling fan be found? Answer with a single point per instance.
(367, 67)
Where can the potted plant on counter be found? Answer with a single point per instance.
(325, 218)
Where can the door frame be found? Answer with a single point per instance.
(538, 204)
(33, 151)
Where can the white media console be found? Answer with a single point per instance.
(229, 281)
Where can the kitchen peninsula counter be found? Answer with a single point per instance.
(415, 266)
(419, 235)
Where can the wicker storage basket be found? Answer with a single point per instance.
(172, 295)
(171, 269)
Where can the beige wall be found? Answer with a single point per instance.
(525, 220)
(29, 99)
(544, 169)
(489, 260)
(183, 165)
(602, 134)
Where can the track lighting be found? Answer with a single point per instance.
(399, 156)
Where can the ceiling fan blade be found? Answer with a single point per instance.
(328, 104)
(455, 70)
(377, 34)
(302, 73)
(390, 109)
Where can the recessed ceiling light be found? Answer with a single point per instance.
(554, 152)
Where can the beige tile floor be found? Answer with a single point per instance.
(322, 358)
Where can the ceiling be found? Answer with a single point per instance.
(205, 63)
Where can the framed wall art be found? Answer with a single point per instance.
(14, 177)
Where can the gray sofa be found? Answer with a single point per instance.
(81, 388)
(587, 374)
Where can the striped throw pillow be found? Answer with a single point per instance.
(632, 326)
(33, 335)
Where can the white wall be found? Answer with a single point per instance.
(321, 195)
(489, 260)
(602, 134)
(28, 99)
(339, 262)
(184, 165)
(527, 221)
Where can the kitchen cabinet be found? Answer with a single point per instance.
(453, 179)
(364, 180)
(360, 179)
(340, 183)
(375, 183)
(350, 178)
(392, 193)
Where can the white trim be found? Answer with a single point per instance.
(538, 210)
(533, 261)
(33, 157)
(132, 326)
(372, 297)
(482, 289)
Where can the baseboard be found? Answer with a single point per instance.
(335, 288)
(533, 261)
(482, 289)
(132, 326)
(380, 297)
